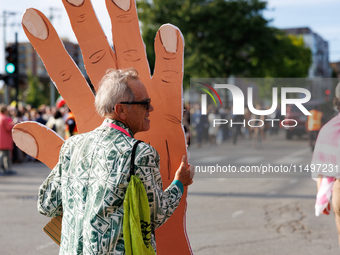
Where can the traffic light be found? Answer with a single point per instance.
(11, 66)
(11, 59)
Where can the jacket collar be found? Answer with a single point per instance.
(118, 123)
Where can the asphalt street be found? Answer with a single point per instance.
(257, 213)
(241, 214)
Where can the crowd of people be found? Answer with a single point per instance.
(207, 133)
(60, 119)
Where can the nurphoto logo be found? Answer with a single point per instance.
(238, 104)
(204, 97)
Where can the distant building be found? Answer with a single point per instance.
(320, 53)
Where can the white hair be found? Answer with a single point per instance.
(113, 89)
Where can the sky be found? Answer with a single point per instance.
(322, 16)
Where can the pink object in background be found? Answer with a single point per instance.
(324, 195)
(326, 158)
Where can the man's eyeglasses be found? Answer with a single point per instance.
(145, 102)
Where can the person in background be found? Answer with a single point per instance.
(236, 126)
(69, 119)
(195, 113)
(213, 130)
(186, 123)
(47, 112)
(259, 128)
(39, 118)
(18, 155)
(6, 141)
(314, 124)
(57, 123)
(248, 129)
(327, 153)
(70, 125)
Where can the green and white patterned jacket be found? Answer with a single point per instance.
(88, 186)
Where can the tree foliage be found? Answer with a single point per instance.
(292, 60)
(35, 92)
(224, 38)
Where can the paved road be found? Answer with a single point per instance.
(273, 214)
(275, 151)
(225, 215)
(20, 223)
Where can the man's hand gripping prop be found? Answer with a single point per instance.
(164, 87)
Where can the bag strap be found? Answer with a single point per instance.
(132, 168)
(133, 153)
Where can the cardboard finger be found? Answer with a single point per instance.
(171, 148)
(62, 70)
(169, 47)
(168, 74)
(97, 54)
(168, 138)
(174, 232)
(166, 133)
(38, 141)
(127, 40)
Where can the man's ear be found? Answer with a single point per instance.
(120, 111)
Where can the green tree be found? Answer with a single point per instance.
(224, 38)
(35, 92)
(292, 58)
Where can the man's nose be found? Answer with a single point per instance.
(151, 108)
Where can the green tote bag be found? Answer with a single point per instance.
(136, 221)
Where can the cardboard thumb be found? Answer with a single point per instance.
(184, 162)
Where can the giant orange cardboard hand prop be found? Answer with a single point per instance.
(164, 87)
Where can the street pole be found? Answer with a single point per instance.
(4, 49)
(52, 87)
(5, 15)
(17, 73)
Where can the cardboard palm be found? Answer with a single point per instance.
(164, 87)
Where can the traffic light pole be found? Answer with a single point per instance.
(52, 87)
(5, 15)
(16, 73)
(4, 36)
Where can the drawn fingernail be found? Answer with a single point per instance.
(35, 24)
(168, 36)
(75, 2)
(122, 4)
(26, 142)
